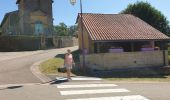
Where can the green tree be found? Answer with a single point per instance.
(72, 30)
(149, 14)
(61, 29)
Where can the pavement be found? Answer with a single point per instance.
(19, 81)
(16, 68)
(84, 89)
(12, 55)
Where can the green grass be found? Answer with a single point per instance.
(140, 75)
(50, 66)
(166, 79)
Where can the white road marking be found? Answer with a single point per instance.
(85, 79)
(86, 85)
(131, 97)
(80, 78)
(77, 92)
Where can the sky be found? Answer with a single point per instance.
(63, 11)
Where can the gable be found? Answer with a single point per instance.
(38, 13)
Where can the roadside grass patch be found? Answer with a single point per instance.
(165, 79)
(50, 66)
(134, 75)
(141, 75)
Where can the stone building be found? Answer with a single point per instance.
(33, 17)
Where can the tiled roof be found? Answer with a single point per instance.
(119, 27)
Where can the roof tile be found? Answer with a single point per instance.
(119, 27)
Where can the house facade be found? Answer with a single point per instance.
(121, 41)
(33, 17)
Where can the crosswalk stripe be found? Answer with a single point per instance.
(80, 78)
(86, 85)
(131, 97)
(85, 79)
(95, 91)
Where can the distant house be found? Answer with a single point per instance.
(33, 17)
(124, 38)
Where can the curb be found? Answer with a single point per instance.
(35, 70)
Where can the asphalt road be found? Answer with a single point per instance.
(134, 91)
(15, 67)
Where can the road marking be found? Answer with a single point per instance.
(77, 92)
(86, 79)
(86, 85)
(131, 97)
(80, 78)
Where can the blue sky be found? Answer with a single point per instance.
(63, 11)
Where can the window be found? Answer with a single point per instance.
(39, 28)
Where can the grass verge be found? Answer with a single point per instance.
(50, 66)
(165, 79)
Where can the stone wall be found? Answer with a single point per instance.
(64, 41)
(19, 43)
(107, 61)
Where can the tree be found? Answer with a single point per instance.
(149, 14)
(72, 30)
(61, 29)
